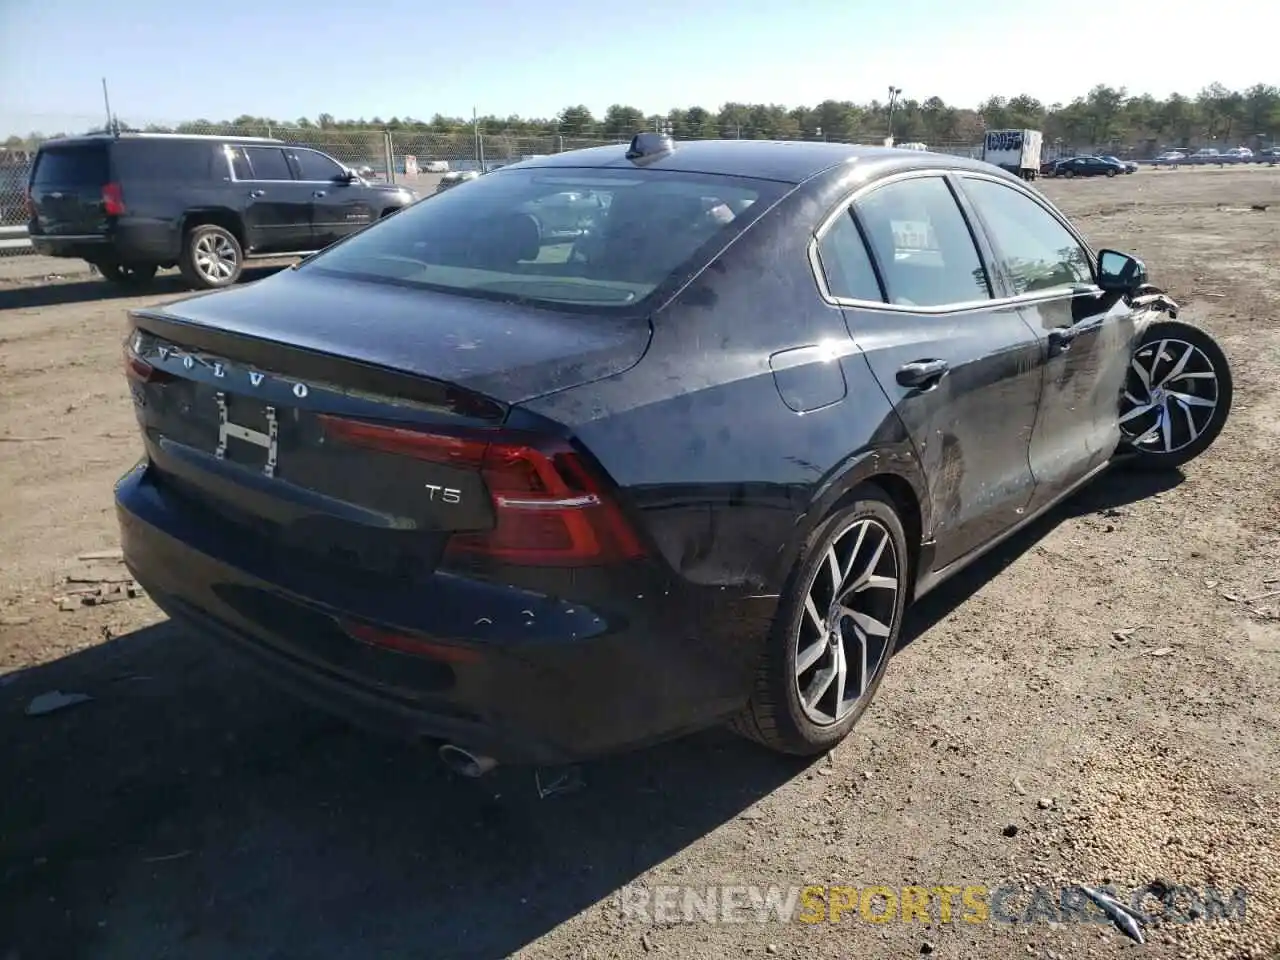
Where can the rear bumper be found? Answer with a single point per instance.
(145, 242)
(540, 679)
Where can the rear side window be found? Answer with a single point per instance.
(164, 160)
(922, 244)
(268, 163)
(846, 263)
(86, 165)
(586, 239)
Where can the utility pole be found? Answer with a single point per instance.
(894, 94)
(106, 102)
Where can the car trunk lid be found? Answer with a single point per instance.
(364, 440)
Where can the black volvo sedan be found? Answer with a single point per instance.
(624, 442)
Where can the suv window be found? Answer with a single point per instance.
(70, 166)
(239, 162)
(1034, 251)
(164, 159)
(846, 262)
(598, 240)
(316, 166)
(922, 244)
(268, 163)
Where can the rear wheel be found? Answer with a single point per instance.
(129, 274)
(1111, 173)
(835, 630)
(1068, 174)
(1177, 395)
(211, 257)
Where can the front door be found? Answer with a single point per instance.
(962, 371)
(1086, 334)
(277, 210)
(339, 206)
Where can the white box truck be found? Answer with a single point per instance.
(1017, 151)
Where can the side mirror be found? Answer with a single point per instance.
(1120, 273)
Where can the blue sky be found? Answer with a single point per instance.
(170, 60)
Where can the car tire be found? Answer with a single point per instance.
(868, 541)
(211, 257)
(1069, 174)
(1111, 173)
(128, 274)
(1164, 428)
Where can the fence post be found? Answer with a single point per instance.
(388, 149)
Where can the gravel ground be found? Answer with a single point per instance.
(1096, 703)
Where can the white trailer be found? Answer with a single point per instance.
(1017, 151)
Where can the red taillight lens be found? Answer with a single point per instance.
(112, 199)
(31, 204)
(550, 508)
(135, 368)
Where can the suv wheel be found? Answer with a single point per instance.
(211, 257)
(129, 274)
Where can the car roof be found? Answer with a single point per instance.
(96, 138)
(786, 161)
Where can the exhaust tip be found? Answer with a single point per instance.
(464, 762)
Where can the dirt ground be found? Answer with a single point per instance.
(1108, 684)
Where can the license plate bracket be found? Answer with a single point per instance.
(267, 440)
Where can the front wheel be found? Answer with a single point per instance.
(129, 274)
(835, 630)
(211, 257)
(1177, 395)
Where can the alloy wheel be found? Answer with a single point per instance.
(215, 257)
(1170, 396)
(844, 634)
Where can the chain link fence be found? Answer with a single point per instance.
(416, 157)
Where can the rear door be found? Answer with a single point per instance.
(277, 209)
(339, 207)
(66, 189)
(1085, 334)
(961, 369)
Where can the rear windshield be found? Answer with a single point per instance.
(72, 165)
(586, 239)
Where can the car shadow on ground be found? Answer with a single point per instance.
(1110, 492)
(189, 810)
(94, 288)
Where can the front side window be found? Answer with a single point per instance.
(316, 166)
(586, 239)
(922, 244)
(268, 163)
(1034, 251)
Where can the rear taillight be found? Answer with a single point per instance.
(112, 199)
(551, 508)
(135, 368)
(31, 203)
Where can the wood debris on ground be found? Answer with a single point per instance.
(99, 577)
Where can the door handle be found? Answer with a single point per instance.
(255, 194)
(922, 374)
(318, 193)
(1061, 337)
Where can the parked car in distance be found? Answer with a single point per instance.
(1128, 165)
(1170, 158)
(133, 203)
(541, 495)
(1205, 155)
(433, 166)
(455, 177)
(1088, 167)
(1238, 155)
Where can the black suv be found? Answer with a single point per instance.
(132, 203)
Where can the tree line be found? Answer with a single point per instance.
(1105, 115)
